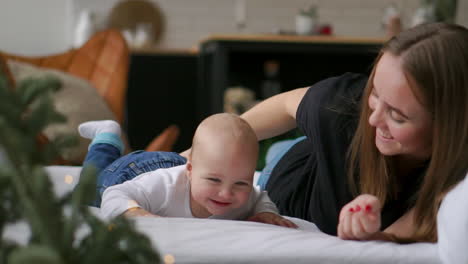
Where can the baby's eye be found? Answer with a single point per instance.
(242, 184)
(214, 179)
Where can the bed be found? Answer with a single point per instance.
(226, 241)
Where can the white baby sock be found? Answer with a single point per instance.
(92, 128)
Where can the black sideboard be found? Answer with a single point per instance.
(238, 60)
(162, 86)
(183, 87)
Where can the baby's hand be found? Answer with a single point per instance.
(136, 211)
(360, 218)
(271, 218)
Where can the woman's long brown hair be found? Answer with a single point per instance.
(435, 61)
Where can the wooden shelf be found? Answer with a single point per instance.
(165, 51)
(294, 38)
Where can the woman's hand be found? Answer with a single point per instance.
(360, 218)
(273, 219)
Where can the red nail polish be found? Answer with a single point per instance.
(368, 208)
(358, 208)
(351, 209)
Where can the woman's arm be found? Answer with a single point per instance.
(403, 227)
(275, 115)
(399, 231)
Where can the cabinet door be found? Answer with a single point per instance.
(161, 91)
(226, 64)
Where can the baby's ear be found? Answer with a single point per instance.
(188, 168)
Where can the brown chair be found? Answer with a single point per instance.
(104, 61)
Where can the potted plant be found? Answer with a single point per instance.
(306, 20)
(27, 195)
(435, 11)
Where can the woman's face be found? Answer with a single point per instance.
(403, 126)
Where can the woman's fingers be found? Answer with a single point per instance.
(357, 228)
(370, 202)
(358, 221)
(370, 223)
(345, 223)
(360, 218)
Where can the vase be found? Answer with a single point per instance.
(84, 29)
(305, 25)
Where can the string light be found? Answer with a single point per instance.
(68, 179)
(169, 259)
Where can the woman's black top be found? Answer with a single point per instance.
(310, 181)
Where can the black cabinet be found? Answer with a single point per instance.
(161, 91)
(227, 61)
(182, 88)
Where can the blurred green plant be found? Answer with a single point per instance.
(310, 11)
(26, 191)
(444, 10)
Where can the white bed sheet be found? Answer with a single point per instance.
(225, 241)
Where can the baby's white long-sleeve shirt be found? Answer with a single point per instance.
(166, 192)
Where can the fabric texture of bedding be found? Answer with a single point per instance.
(226, 241)
(452, 225)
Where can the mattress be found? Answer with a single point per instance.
(227, 241)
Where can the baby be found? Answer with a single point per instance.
(216, 181)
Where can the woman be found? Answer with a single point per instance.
(399, 138)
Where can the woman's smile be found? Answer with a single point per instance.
(384, 136)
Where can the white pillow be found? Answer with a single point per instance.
(78, 100)
(452, 225)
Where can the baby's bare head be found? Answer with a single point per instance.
(226, 138)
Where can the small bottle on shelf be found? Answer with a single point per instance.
(271, 84)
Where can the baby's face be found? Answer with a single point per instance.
(220, 183)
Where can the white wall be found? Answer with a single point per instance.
(46, 26)
(35, 27)
(189, 21)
